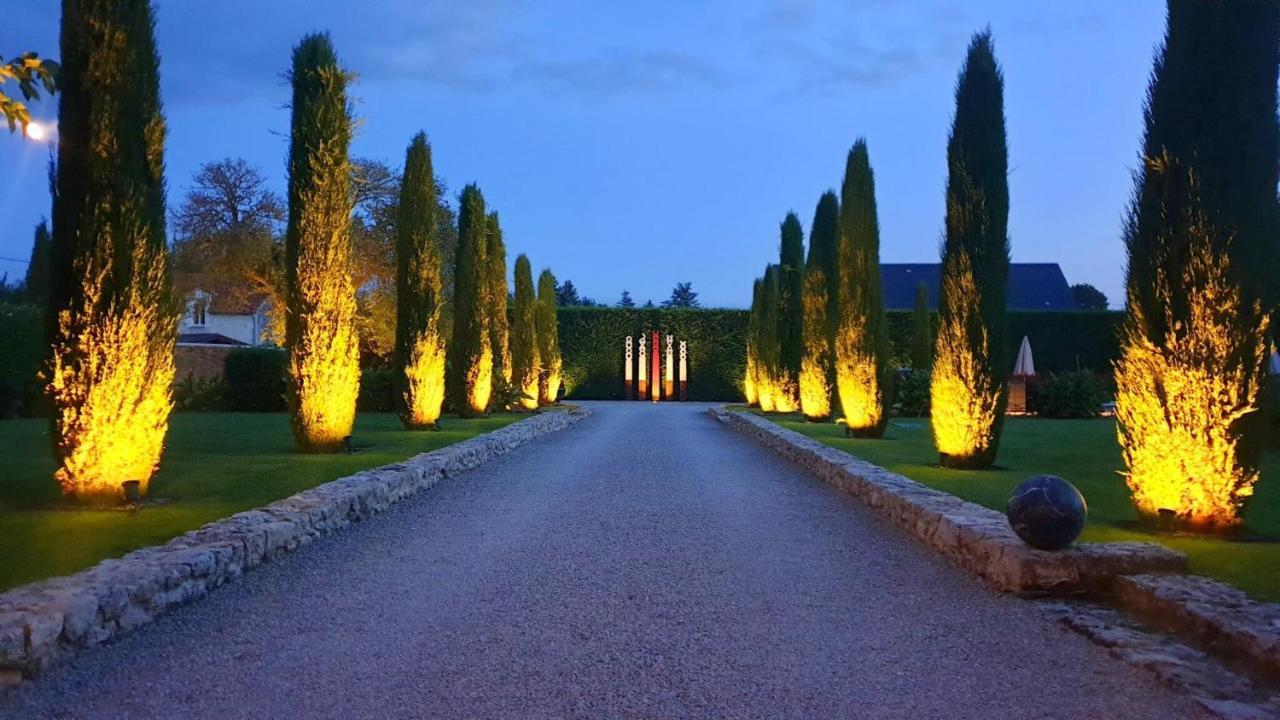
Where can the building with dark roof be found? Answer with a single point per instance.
(1032, 286)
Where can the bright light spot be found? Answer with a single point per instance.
(36, 131)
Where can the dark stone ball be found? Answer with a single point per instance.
(1047, 512)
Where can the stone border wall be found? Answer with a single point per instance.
(1219, 618)
(49, 621)
(974, 537)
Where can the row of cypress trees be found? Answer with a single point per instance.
(113, 318)
(829, 313)
(470, 364)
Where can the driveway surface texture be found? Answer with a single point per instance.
(646, 563)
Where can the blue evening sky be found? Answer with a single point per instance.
(634, 145)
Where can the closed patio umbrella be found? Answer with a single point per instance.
(1023, 368)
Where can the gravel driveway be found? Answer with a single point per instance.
(646, 563)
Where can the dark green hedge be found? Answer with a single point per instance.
(591, 343)
(22, 349)
(253, 380)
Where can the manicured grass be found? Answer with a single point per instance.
(1084, 452)
(215, 464)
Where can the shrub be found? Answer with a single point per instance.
(911, 394)
(1075, 394)
(253, 380)
(193, 394)
(377, 391)
(22, 327)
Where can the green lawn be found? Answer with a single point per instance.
(1085, 453)
(215, 464)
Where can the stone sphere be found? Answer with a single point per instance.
(1047, 512)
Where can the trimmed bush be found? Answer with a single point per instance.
(911, 393)
(1075, 394)
(193, 394)
(23, 330)
(377, 390)
(254, 380)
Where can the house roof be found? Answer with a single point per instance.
(225, 298)
(1032, 286)
(207, 339)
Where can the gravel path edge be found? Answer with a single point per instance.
(48, 622)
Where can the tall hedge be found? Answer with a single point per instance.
(113, 314)
(420, 344)
(36, 285)
(922, 331)
(320, 291)
(470, 354)
(21, 353)
(592, 344)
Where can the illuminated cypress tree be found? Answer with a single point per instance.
(1202, 265)
(815, 393)
(750, 380)
(921, 331)
(499, 327)
(524, 336)
(320, 330)
(864, 379)
(769, 353)
(824, 239)
(420, 345)
(790, 313)
(970, 366)
(548, 340)
(470, 354)
(113, 314)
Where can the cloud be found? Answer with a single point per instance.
(623, 73)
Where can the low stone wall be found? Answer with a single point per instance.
(1219, 618)
(974, 537)
(46, 622)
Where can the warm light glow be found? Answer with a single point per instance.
(109, 381)
(815, 393)
(36, 131)
(552, 378)
(1179, 403)
(424, 376)
(749, 379)
(480, 391)
(324, 366)
(785, 395)
(963, 399)
(858, 385)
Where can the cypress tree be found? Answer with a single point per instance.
(970, 366)
(320, 292)
(1201, 280)
(548, 340)
(815, 392)
(470, 354)
(824, 239)
(524, 336)
(751, 379)
(499, 325)
(420, 345)
(921, 331)
(864, 379)
(36, 285)
(113, 315)
(790, 312)
(770, 350)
